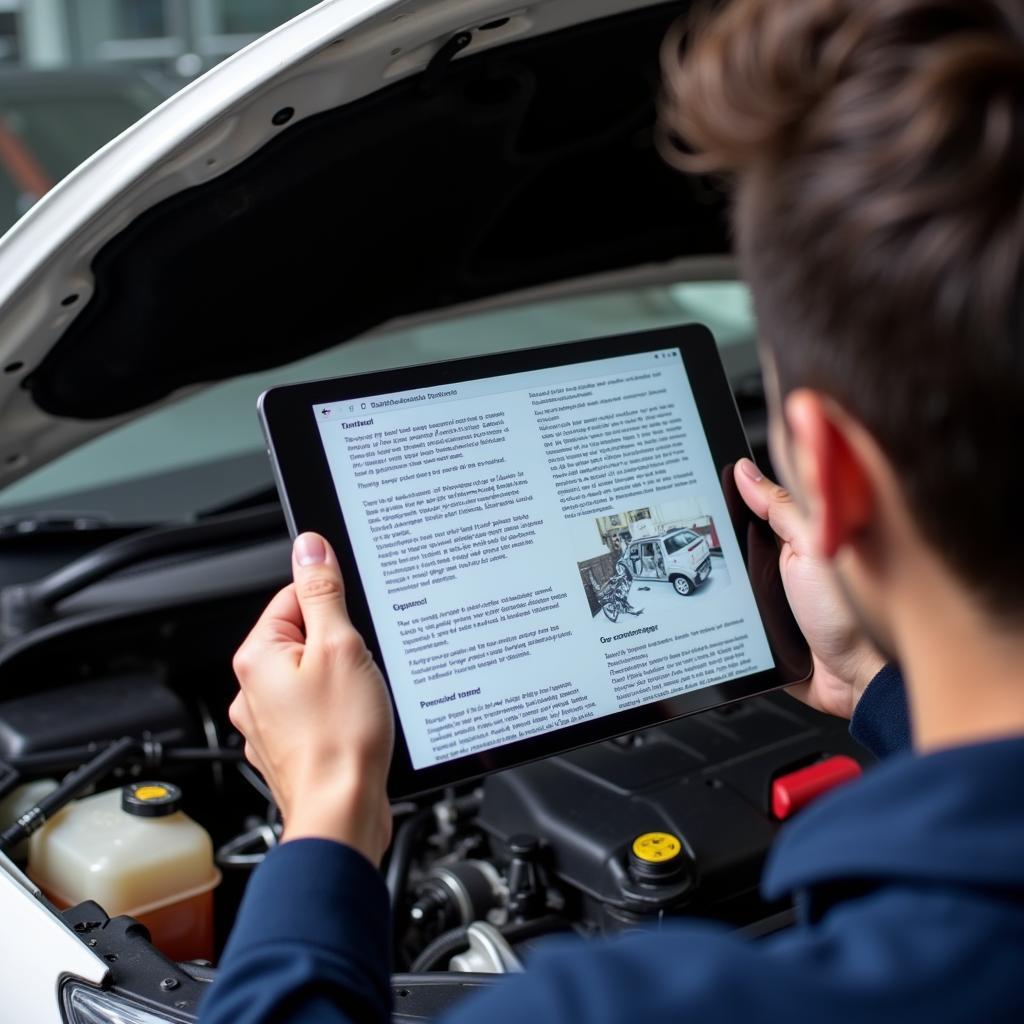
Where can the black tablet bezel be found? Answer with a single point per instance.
(311, 503)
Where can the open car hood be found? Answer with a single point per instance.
(365, 162)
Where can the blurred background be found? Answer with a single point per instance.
(75, 73)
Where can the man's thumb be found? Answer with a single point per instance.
(318, 585)
(767, 500)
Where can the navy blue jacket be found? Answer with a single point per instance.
(909, 884)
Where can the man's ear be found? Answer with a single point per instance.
(831, 475)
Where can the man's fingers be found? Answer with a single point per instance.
(278, 629)
(241, 718)
(319, 588)
(238, 714)
(253, 757)
(280, 620)
(768, 500)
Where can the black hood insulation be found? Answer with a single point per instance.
(515, 167)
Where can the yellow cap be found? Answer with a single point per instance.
(150, 799)
(151, 792)
(657, 847)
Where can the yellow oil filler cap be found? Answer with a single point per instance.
(656, 856)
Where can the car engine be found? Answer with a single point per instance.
(670, 822)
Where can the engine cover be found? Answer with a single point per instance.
(705, 780)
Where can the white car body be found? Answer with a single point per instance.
(681, 557)
(38, 952)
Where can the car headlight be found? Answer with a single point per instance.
(85, 1005)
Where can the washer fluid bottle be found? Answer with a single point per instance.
(134, 852)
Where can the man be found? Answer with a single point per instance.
(876, 149)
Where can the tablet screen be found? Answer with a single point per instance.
(541, 548)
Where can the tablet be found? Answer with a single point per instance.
(542, 548)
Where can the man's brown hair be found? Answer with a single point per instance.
(877, 149)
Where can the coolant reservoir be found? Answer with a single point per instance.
(17, 803)
(134, 852)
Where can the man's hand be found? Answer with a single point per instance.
(314, 709)
(845, 661)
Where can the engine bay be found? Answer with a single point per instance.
(626, 834)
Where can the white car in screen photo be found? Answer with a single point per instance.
(681, 558)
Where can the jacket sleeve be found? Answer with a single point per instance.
(311, 943)
(893, 957)
(881, 720)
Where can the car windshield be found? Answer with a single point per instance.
(680, 539)
(206, 450)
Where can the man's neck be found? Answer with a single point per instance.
(964, 670)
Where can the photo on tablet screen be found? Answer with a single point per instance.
(670, 542)
(541, 548)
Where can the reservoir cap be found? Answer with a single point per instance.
(150, 799)
(656, 856)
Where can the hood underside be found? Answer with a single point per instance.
(520, 165)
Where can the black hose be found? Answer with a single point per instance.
(255, 780)
(63, 759)
(204, 754)
(25, 606)
(520, 931)
(401, 853)
(447, 944)
(450, 942)
(105, 761)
